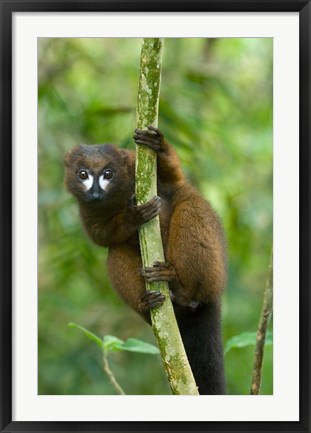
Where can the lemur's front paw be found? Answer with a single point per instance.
(159, 271)
(150, 137)
(151, 299)
(146, 211)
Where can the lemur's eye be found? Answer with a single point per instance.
(83, 175)
(108, 174)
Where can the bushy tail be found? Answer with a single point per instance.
(201, 333)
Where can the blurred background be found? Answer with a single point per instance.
(216, 109)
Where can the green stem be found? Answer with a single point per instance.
(111, 376)
(163, 319)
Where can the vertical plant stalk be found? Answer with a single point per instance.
(163, 318)
(262, 330)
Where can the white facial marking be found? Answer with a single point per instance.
(87, 183)
(103, 183)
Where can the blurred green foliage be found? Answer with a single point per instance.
(216, 109)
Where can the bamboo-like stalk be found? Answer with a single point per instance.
(262, 330)
(163, 319)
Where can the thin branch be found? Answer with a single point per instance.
(262, 330)
(111, 376)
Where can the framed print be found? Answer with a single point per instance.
(233, 129)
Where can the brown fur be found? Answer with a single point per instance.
(191, 232)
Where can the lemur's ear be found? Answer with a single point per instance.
(124, 155)
(68, 155)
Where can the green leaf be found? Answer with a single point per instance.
(246, 339)
(113, 344)
(88, 334)
(134, 345)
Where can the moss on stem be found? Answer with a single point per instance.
(163, 318)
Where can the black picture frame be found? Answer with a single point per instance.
(7, 9)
